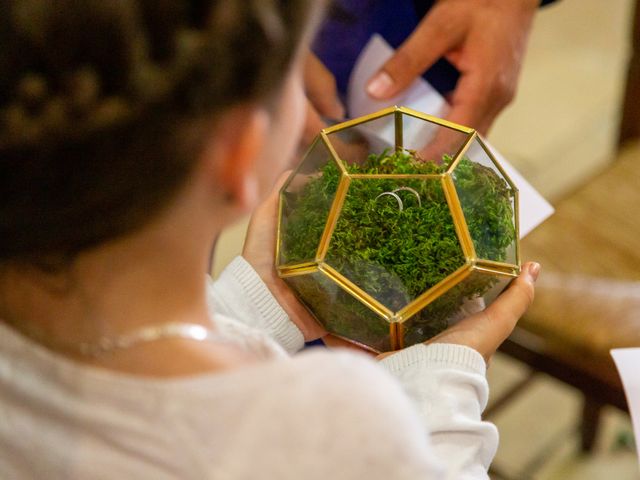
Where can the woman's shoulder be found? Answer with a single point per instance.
(336, 406)
(318, 371)
(304, 391)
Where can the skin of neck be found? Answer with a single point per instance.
(151, 276)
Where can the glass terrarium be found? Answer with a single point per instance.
(395, 223)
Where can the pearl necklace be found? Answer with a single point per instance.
(106, 345)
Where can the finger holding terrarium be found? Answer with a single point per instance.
(485, 331)
(259, 251)
(333, 341)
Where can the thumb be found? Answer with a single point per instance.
(486, 330)
(428, 42)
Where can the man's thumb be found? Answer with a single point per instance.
(426, 44)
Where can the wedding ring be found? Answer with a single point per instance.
(397, 197)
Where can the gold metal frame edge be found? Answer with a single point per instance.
(516, 207)
(392, 176)
(333, 153)
(497, 164)
(357, 121)
(434, 292)
(296, 270)
(457, 215)
(436, 120)
(505, 272)
(398, 126)
(460, 155)
(357, 343)
(332, 217)
(355, 291)
(495, 264)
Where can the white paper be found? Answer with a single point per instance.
(628, 363)
(421, 96)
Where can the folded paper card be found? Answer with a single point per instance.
(627, 360)
(421, 96)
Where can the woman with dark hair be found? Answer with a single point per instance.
(131, 133)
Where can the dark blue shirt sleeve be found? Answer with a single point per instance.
(350, 24)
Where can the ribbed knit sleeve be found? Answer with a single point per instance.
(239, 293)
(448, 386)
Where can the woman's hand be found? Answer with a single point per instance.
(486, 330)
(259, 250)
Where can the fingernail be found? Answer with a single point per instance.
(534, 271)
(380, 85)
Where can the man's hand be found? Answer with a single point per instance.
(322, 98)
(484, 39)
(259, 250)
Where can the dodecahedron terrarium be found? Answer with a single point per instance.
(393, 223)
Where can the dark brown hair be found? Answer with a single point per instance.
(97, 98)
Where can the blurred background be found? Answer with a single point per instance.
(554, 393)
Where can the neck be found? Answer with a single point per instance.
(154, 276)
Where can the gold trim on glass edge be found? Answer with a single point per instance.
(332, 217)
(279, 226)
(516, 206)
(356, 292)
(358, 121)
(394, 336)
(497, 164)
(436, 120)
(399, 336)
(356, 343)
(505, 272)
(458, 156)
(333, 153)
(459, 222)
(434, 292)
(398, 130)
(296, 170)
(295, 270)
(494, 264)
(393, 176)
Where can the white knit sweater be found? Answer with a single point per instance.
(320, 414)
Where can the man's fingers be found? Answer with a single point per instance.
(431, 39)
(471, 102)
(320, 87)
(476, 115)
(479, 97)
(312, 126)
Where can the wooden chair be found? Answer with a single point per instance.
(588, 297)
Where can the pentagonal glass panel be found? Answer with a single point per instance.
(430, 140)
(306, 200)
(339, 312)
(354, 144)
(395, 237)
(488, 204)
(471, 295)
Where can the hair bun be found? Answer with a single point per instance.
(32, 91)
(83, 89)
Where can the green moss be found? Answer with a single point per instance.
(395, 255)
